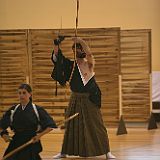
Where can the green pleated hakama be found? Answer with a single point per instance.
(85, 135)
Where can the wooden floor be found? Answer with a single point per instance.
(138, 144)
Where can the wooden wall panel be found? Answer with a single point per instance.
(135, 70)
(41, 42)
(104, 44)
(25, 57)
(13, 65)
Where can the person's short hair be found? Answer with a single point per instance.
(25, 86)
(78, 46)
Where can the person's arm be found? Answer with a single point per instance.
(54, 54)
(56, 48)
(4, 124)
(62, 65)
(5, 135)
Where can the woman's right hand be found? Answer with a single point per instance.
(6, 138)
(56, 48)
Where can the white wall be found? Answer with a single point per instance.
(127, 14)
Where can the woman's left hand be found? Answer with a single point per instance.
(6, 138)
(36, 138)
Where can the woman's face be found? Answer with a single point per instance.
(24, 96)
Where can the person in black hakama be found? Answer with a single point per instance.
(24, 119)
(85, 136)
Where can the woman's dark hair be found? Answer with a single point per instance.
(78, 46)
(26, 87)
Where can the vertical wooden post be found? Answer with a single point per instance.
(29, 58)
(121, 127)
